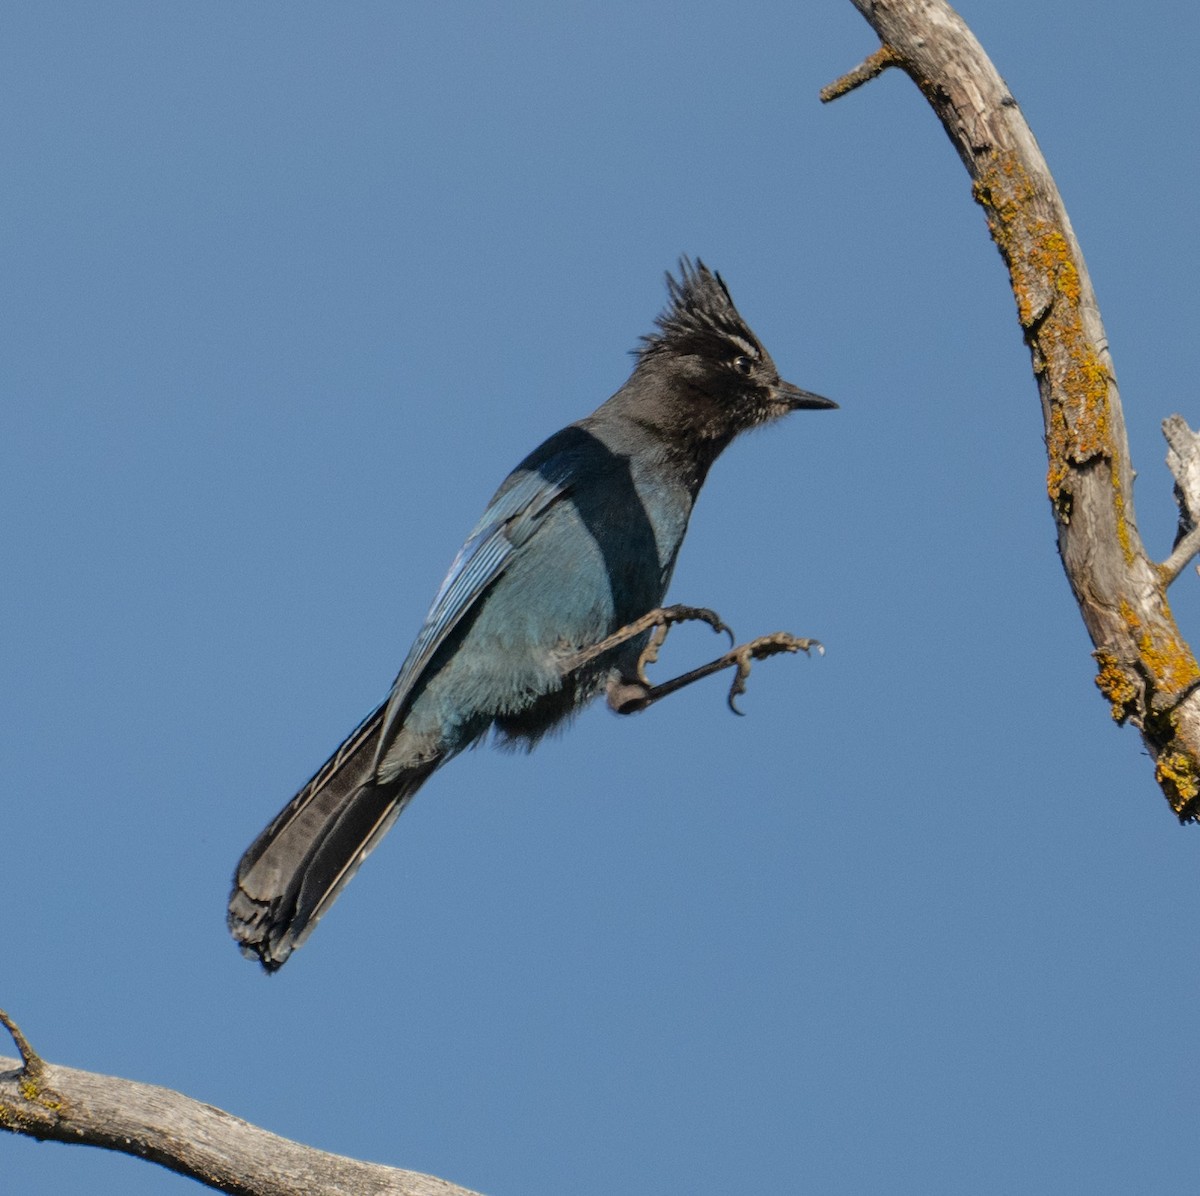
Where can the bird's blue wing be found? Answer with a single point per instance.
(511, 518)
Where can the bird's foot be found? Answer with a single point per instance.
(629, 695)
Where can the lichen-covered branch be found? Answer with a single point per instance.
(62, 1104)
(1146, 670)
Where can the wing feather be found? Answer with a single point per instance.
(511, 518)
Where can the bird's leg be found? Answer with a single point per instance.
(661, 620)
(634, 694)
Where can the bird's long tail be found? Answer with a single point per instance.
(292, 873)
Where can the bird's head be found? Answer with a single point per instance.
(721, 378)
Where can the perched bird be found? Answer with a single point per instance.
(554, 598)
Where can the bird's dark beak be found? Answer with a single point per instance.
(800, 400)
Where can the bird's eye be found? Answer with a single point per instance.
(743, 364)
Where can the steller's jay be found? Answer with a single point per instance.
(554, 598)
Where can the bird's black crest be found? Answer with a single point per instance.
(699, 318)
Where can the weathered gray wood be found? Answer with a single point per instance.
(1146, 669)
(62, 1104)
(1183, 460)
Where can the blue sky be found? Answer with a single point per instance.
(288, 290)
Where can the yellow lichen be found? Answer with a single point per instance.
(35, 1095)
(1177, 776)
(1073, 376)
(1115, 683)
(1058, 470)
(1123, 537)
(1167, 658)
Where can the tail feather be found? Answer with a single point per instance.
(295, 869)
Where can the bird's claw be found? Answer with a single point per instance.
(636, 693)
(760, 649)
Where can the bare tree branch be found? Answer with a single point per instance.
(62, 1104)
(1147, 671)
(1183, 460)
